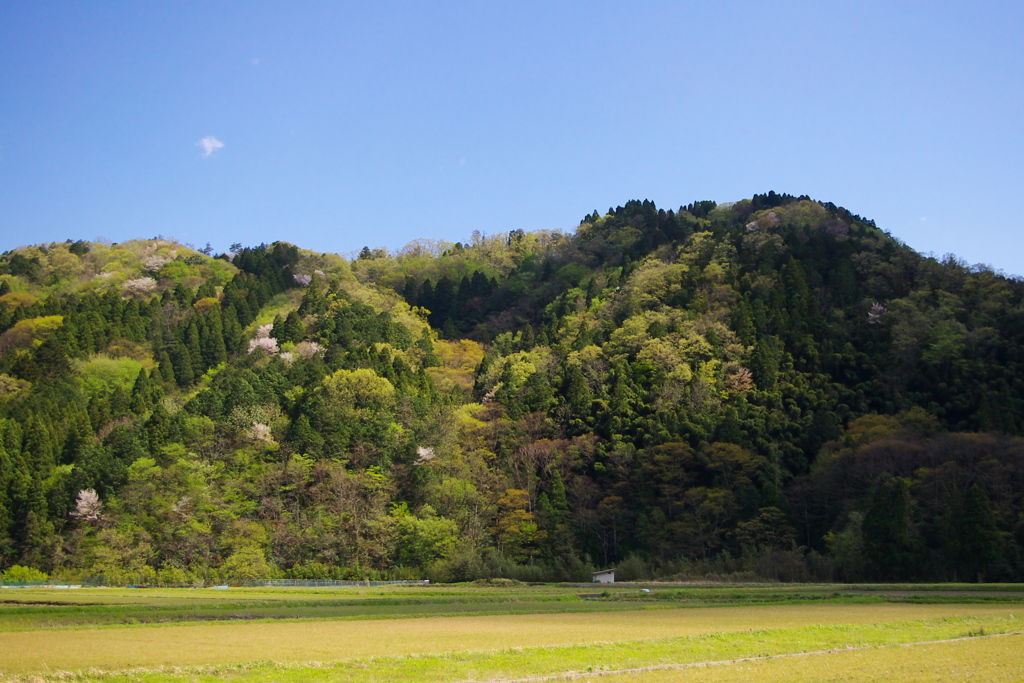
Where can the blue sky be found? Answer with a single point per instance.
(349, 124)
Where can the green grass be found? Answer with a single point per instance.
(989, 659)
(25, 609)
(30, 609)
(279, 305)
(444, 631)
(33, 617)
(590, 657)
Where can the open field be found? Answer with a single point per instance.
(500, 633)
(30, 609)
(989, 659)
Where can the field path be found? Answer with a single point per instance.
(224, 643)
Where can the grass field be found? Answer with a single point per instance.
(510, 633)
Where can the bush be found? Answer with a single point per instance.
(170, 575)
(461, 565)
(311, 571)
(782, 565)
(635, 568)
(246, 564)
(504, 583)
(571, 569)
(18, 574)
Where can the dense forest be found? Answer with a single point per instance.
(772, 388)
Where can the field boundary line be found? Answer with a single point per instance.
(571, 675)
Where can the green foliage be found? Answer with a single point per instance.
(773, 386)
(425, 538)
(30, 332)
(887, 529)
(21, 575)
(101, 375)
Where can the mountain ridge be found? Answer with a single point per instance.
(676, 392)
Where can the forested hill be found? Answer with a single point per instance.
(770, 388)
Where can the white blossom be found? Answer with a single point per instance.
(88, 507)
(302, 279)
(263, 340)
(155, 262)
(140, 285)
(740, 381)
(268, 344)
(307, 349)
(424, 455)
(876, 313)
(261, 432)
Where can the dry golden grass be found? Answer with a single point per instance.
(226, 643)
(992, 660)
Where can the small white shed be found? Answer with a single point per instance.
(604, 576)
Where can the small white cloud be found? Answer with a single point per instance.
(209, 145)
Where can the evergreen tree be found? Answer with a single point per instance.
(214, 350)
(975, 542)
(293, 329)
(182, 360)
(313, 300)
(888, 536)
(166, 367)
(141, 397)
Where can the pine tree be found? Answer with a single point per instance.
(293, 329)
(232, 331)
(99, 413)
(313, 301)
(214, 349)
(887, 528)
(577, 397)
(426, 297)
(39, 448)
(158, 427)
(976, 538)
(277, 329)
(183, 372)
(410, 292)
(141, 393)
(206, 291)
(166, 368)
(305, 439)
(193, 346)
(252, 306)
(183, 295)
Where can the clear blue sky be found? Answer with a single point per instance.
(345, 124)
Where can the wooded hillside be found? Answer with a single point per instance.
(775, 387)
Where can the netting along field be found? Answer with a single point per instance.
(636, 635)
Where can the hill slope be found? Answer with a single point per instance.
(772, 386)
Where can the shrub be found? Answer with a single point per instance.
(20, 574)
